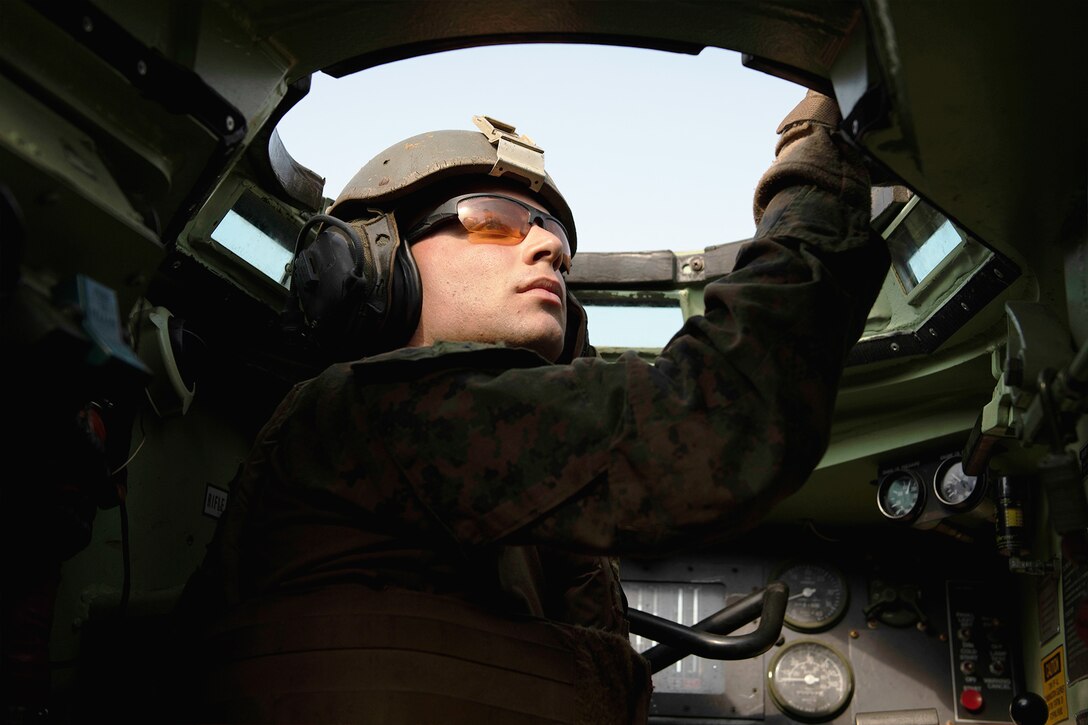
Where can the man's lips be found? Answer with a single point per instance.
(544, 287)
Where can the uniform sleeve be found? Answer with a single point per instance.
(630, 457)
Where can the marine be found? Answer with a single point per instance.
(428, 531)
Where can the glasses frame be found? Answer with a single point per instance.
(448, 210)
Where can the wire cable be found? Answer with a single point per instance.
(126, 562)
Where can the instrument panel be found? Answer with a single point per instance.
(874, 624)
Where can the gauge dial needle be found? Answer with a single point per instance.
(806, 593)
(807, 679)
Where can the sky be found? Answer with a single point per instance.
(652, 150)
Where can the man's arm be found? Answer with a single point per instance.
(626, 457)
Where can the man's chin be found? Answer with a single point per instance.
(548, 343)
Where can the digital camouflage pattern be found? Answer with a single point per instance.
(483, 474)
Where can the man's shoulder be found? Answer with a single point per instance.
(409, 363)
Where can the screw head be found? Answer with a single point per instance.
(697, 264)
(894, 347)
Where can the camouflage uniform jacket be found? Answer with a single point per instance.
(483, 474)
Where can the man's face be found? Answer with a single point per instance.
(484, 292)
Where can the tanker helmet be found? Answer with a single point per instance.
(357, 286)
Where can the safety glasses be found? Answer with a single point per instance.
(493, 219)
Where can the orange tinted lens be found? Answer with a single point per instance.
(500, 220)
(557, 229)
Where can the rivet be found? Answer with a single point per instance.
(854, 634)
(141, 68)
(894, 347)
(998, 273)
(933, 331)
(855, 126)
(88, 24)
(176, 264)
(965, 307)
(872, 623)
(230, 123)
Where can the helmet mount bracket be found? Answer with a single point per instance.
(518, 156)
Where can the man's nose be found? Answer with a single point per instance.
(540, 244)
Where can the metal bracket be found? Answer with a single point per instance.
(517, 154)
(176, 88)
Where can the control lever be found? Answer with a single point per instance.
(707, 638)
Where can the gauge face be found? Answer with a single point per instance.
(818, 595)
(953, 487)
(900, 495)
(810, 681)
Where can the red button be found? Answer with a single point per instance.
(972, 700)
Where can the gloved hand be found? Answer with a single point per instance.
(808, 153)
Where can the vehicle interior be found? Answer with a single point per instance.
(936, 560)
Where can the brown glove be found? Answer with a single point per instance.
(808, 154)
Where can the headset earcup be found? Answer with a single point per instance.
(323, 277)
(406, 300)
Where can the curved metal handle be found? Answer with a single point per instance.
(706, 638)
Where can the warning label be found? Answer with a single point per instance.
(1054, 686)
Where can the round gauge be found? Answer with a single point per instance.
(818, 595)
(954, 488)
(810, 681)
(900, 496)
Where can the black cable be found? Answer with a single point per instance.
(126, 564)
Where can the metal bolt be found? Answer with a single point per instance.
(894, 347)
(872, 623)
(697, 264)
(230, 123)
(998, 273)
(965, 307)
(933, 331)
(88, 24)
(854, 634)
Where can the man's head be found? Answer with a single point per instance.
(492, 265)
(454, 235)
